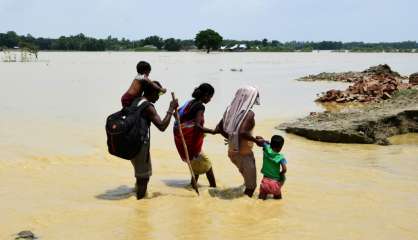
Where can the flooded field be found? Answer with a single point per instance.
(58, 180)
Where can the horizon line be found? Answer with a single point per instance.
(225, 39)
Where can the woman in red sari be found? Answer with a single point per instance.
(191, 123)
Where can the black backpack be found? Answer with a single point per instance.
(127, 130)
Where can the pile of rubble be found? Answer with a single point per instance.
(374, 88)
(353, 76)
(337, 77)
(374, 84)
(382, 69)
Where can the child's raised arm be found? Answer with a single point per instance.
(265, 142)
(161, 89)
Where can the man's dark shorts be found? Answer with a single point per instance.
(142, 162)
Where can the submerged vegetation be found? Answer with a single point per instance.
(19, 55)
(214, 40)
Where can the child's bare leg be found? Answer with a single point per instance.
(211, 178)
(279, 194)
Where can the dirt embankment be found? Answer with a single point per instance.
(352, 76)
(373, 84)
(389, 106)
(373, 123)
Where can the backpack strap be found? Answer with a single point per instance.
(143, 100)
(141, 105)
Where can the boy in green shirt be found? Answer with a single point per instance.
(274, 168)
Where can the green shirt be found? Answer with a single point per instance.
(271, 163)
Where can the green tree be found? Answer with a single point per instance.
(9, 39)
(265, 42)
(275, 43)
(154, 40)
(187, 44)
(172, 44)
(208, 39)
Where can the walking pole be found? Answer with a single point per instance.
(176, 115)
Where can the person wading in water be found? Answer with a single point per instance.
(142, 161)
(191, 123)
(237, 125)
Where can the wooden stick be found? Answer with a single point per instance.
(176, 115)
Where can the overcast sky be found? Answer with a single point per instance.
(283, 20)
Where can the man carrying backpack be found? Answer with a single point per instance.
(142, 161)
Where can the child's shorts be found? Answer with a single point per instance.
(270, 186)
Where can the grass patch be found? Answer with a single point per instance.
(406, 92)
(145, 49)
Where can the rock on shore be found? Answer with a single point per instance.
(373, 123)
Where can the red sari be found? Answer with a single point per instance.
(192, 135)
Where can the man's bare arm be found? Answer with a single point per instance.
(155, 118)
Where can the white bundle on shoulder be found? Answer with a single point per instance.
(245, 98)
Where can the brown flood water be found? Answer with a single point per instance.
(57, 179)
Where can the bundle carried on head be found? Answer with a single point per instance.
(245, 98)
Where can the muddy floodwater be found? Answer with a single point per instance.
(57, 179)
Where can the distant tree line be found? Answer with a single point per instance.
(81, 42)
(274, 45)
(207, 39)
